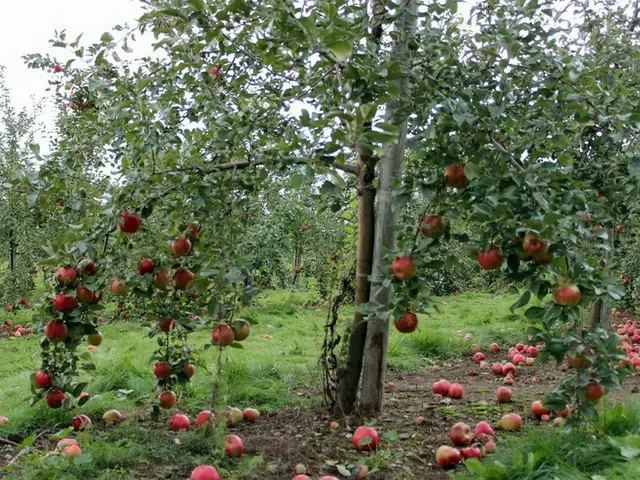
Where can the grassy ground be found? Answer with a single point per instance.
(279, 367)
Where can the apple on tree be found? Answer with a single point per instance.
(490, 259)
(407, 323)
(130, 223)
(455, 177)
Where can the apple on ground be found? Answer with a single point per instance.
(112, 417)
(483, 428)
(204, 472)
(461, 434)
(179, 421)
(4, 420)
(167, 399)
(511, 422)
(537, 409)
(448, 457)
(503, 394)
(251, 414)
(456, 390)
(441, 387)
(233, 446)
(80, 422)
(494, 348)
(366, 438)
(72, 450)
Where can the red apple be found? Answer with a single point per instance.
(518, 359)
(119, 288)
(161, 279)
(366, 438)
(594, 392)
(56, 331)
(534, 245)
(65, 442)
(511, 422)
(72, 450)
(205, 419)
(490, 259)
(454, 176)
(447, 457)
(483, 428)
(80, 422)
(420, 421)
(66, 276)
(166, 324)
(471, 452)
(85, 295)
(64, 303)
(403, 267)
(503, 394)
(189, 370)
(167, 399)
(146, 266)
(461, 434)
(490, 446)
(545, 417)
(251, 414)
(478, 357)
(233, 446)
(87, 267)
(181, 278)
(44, 379)
(215, 73)
(222, 335)
(112, 417)
(162, 370)
(58, 68)
(565, 411)
(433, 226)
(441, 387)
(55, 398)
(179, 422)
(130, 223)
(181, 246)
(456, 390)
(578, 361)
(619, 229)
(494, 348)
(192, 229)
(538, 409)
(407, 323)
(204, 472)
(568, 295)
(496, 369)
(532, 352)
(508, 369)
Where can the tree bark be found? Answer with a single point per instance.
(375, 361)
(349, 376)
(12, 253)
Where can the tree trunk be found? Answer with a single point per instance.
(12, 254)
(349, 376)
(375, 361)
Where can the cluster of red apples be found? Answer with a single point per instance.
(629, 333)
(529, 247)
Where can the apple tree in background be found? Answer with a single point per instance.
(519, 125)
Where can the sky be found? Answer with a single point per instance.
(27, 26)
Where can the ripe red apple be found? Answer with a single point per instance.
(483, 428)
(43, 379)
(181, 278)
(214, 72)
(471, 452)
(251, 414)
(594, 392)
(565, 411)
(204, 472)
(448, 457)
(205, 419)
(58, 68)
(407, 323)
(456, 390)
(64, 303)
(454, 176)
(503, 394)
(65, 442)
(441, 387)
(130, 223)
(509, 369)
(56, 331)
(55, 398)
(161, 279)
(518, 359)
(538, 409)
(146, 266)
(112, 417)
(166, 324)
(241, 330)
(87, 267)
(192, 229)
(179, 422)
(496, 369)
(72, 450)
(366, 438)
(95, 339)
(162, 370)
(433, 226)
(534, 245)
(301, 477)
(189, 370)
(545, 417)
(9, 308)
(478, 357)
(167, 399)
(490, 259)
(420, 421)
(619, 229)
(475, 347)
(85, 295)
(222, 335)
(532, 352)
(461, 434)
(568, 295)
(80, 422)
(233, 446)
(511, 422)
(181, 246)
(403, 267)
(66, 276)
(494, 348)
(4, 420)
(118, 287)
(578, 361)
(520, 346)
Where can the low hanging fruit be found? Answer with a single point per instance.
(407, 323)
(222, 335)
(130, 223)
(490, 259)
(455, 177)
(433, 226)
(403, 267)
(567, 295)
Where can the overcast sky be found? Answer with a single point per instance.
(26, 26)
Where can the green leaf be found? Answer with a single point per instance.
(198, 5)
(106, 37)
(391, 436)
(341, 49)
(633, 166)
(522, 301)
